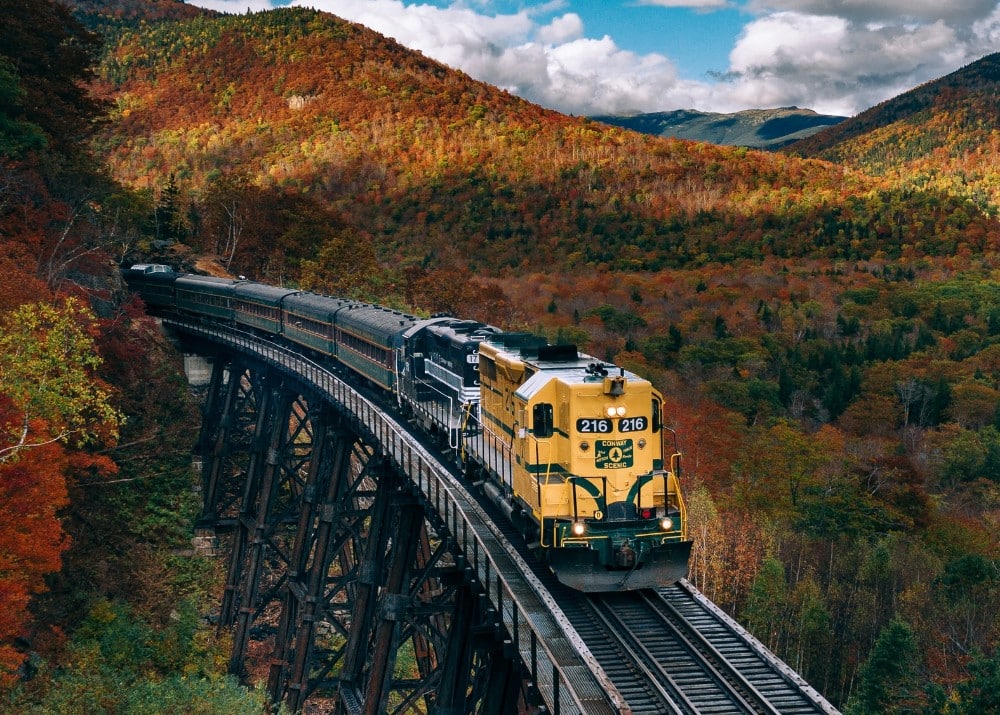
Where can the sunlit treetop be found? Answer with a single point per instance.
(49, 391)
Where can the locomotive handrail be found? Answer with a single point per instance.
(449, 411)
(565, 673)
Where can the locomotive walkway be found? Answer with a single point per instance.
(421, 572)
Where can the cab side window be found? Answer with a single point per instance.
(542, 418)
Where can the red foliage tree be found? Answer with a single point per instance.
(31, 539)
(51, 404)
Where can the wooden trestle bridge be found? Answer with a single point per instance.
(366, 577)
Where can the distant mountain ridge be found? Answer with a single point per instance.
(755, 128)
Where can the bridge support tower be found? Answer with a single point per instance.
(341, 588)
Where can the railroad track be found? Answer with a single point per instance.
(674, 651)
(647, 688)
(699, 659)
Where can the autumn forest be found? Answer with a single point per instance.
(823, 320)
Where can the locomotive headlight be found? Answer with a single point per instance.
(620, 410)
(611, 411)
(578, 528)
(666, 523)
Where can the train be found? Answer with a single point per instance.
(570, 448)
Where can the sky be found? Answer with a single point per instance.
(593, 57)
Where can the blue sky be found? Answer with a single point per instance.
(590, 57)
(698, 41)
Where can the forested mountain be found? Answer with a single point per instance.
(88, 514)
(826, 330)
(135, 11)
(753, 128)
(972, 88)
(430, 166)
(941, 135)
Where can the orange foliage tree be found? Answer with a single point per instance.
(51, 405)
(32, 491)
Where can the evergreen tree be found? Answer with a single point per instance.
(980, 695)
(889, 676)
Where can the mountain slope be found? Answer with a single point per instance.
(435, 167)
(756, 128)
(944, 134)
(135, 11)
(832, 406)
(973, 87)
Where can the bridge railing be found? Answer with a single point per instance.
(563, 670)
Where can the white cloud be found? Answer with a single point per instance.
(834, 56)
(458, 36)
(562, 29)
(987, 30)
(598, 77)
(895, 11)
(834, 66)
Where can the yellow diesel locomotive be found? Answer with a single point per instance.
(572, 449)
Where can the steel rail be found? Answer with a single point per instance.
(730, 680)
(660, 679)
